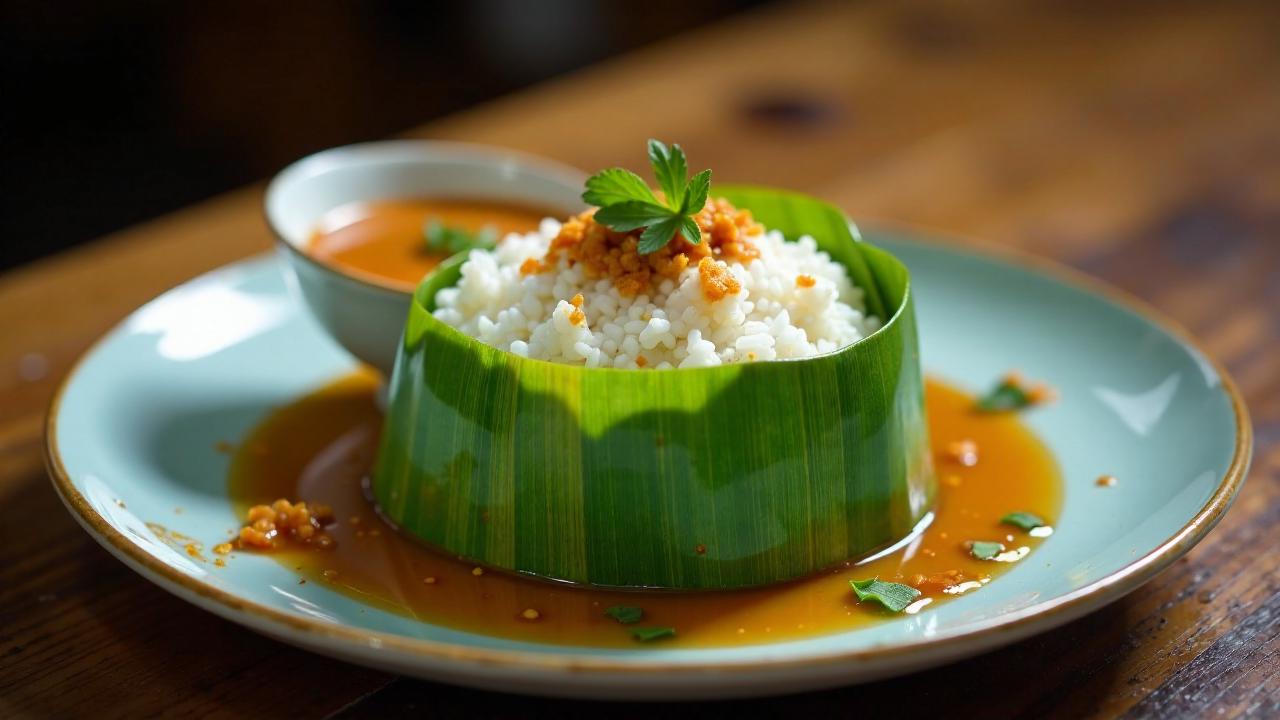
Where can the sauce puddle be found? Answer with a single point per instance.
(384, 241)
(321, 447)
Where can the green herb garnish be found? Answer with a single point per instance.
(1004, 397)
(649, 634)
(894, 596)
(984, 550)
(449, 240)
(624, 614)
(1024, 520)
(626, 203)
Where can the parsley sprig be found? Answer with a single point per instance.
(626, 203)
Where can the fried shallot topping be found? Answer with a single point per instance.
(577, 317)
(281, 520)
(606, 253)
(716, 280)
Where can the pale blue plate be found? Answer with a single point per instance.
(132, 436)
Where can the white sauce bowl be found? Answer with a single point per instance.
(364, 317)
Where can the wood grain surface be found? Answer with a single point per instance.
(1140, 143)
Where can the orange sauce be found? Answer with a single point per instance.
(383, 241)
(320, 449)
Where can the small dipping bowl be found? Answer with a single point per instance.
(363, 315)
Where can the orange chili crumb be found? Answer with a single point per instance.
(577, 316)
(219, 562)
(1106, 481)
(606, 253)
(192, 549)
(805, 281)
(937, 582)
(1041, 393)
(222, 548)
(283, 519)
(716, 280)
(700, 549)
(641, 361)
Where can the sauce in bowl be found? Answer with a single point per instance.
(384, 241)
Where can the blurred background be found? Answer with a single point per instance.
(115, 112)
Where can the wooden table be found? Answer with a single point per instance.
(1140, 144)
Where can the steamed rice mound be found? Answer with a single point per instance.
(580, 293)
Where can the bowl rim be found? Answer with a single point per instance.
(982, 635)
(394, 152)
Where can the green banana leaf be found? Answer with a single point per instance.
(718, 477)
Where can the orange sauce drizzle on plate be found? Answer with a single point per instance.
(320, 449)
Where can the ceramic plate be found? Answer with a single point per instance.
(132, 435)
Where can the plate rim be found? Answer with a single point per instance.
(978, 636)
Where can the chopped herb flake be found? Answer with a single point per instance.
(649, 634)
(984, 550)
(1024, 520)
(449, 240)
(624, 614)
(1004, 397)
(894, 596)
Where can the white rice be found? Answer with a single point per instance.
(770, 318)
